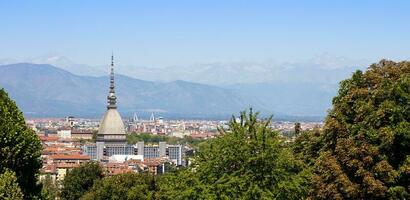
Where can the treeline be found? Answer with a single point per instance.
(362, 152)
(134, 137)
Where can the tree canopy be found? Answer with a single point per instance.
(247, 161)
(20, 147)
(150, 138)
(79, 180)
(367, 137)
(123, 186)
(9, 188)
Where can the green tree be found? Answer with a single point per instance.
(79, 180)
(247, 161)
(298, 128)
(20, 147)
(9, 188)
(367, 137)
(181, 184)
(151, 138)
(307, 145)
(123, 186)
(49, 189)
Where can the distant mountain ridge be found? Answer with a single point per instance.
(44, 90)
(222, 74)
(322, 69)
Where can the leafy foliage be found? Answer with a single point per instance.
(9, 188)
(307, 145)
(150, 138)
(367, 137)
(298, 128)
(49, 190)
(123, 186)
(181, 184)
(79, 180)
(19, 147)
(247, 161)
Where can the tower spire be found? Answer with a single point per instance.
(112, 99)
(112, 59)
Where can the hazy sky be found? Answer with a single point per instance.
(164, 33)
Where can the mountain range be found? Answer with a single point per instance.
(44, 90)
(323, 69)
(208, 91)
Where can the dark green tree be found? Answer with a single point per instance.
(123, 186)
(79, 180)
(298, 128)
(367, 137)
(20, 147)
(9, 188)
(307, 145)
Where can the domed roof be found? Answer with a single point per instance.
(111, 123)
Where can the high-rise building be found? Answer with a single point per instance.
(162, 150)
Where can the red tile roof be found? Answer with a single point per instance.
(69, 157)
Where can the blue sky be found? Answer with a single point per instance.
(166, 33)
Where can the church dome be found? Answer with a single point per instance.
(111, 123)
